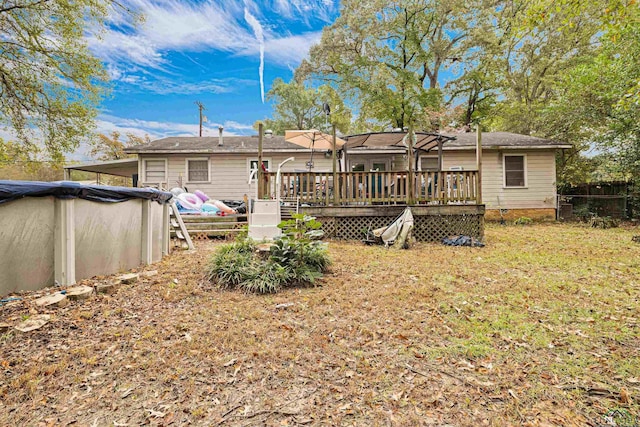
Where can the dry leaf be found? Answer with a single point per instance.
(230, 362)
(625, 398)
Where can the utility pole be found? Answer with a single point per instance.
(200, 108)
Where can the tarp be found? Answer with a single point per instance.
(462, 241)
(14, 190)
(388, 235)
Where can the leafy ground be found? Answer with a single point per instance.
(539, 328)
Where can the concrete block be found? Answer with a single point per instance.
(265, 219)
(266, 206)
(127, 279)
(264, 232)
(79, 292)
(107, 288)
(56, 300)
(33, 323)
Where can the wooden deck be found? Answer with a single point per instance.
(376, 188)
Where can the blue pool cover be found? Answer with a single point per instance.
(14, 190)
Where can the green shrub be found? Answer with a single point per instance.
(583, 213)
(296, 258)
(523, 220)
(230, 264)
(604, 222)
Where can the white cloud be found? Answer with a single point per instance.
(107, 124)
(293, 49)
(172, 25)
(157, 129)
(304, 9)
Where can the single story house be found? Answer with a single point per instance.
(518, 171)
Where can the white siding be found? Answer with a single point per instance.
(541, 178)
(230, 172)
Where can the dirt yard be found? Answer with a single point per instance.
(539, 328)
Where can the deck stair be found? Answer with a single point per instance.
(288, 207)
(264, 220)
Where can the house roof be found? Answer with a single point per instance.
(388, 140)
(231, 144)
(501, 140)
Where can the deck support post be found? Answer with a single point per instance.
(479, 163)
(146, 256)
(64, 242)
(165, 229)
(260, 174)
(410, 175)
(334, 161)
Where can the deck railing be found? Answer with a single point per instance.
(358, 188)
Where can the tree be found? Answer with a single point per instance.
(50, 83)
(597, 101)
(534, 45)
(19, 164)
(109, 147)
(387, 56)
(298, 107)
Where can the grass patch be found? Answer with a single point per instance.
(537, 328)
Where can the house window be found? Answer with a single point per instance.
(378, 167)
(429, 164)
(197, 170)
(155, 171)
(515, 174)
(253, 165)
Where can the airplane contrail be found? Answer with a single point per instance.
(257, 30)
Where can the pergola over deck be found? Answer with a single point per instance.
(424, 141)
(409, 186)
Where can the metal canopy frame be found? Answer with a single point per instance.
(425, 141)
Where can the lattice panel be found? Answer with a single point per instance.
(435, 228)
(429, 228)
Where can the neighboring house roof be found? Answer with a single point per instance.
(271, 144)
(231, 144)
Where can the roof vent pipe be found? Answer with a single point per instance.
(268, 133)
(220, 142)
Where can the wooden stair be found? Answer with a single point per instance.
(177, 227)
(201, 227)
(288, 207)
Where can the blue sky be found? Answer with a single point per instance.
(207, 51)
